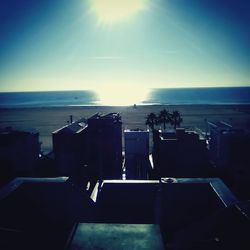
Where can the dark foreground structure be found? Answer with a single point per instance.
(186, 213)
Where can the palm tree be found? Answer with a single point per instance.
(176, 118)
(151, 120)
(164, 117)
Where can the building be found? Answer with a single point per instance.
(137, 162)
(188, 213)
(229, 152)
(228, 146)
(180, 153)
(105, 145)
(19, 152)
(192, 213)
(91, 147)
(70, 147)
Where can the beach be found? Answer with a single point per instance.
(48, 119)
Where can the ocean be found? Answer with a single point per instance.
(180, 96)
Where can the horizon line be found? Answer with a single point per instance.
(150, 88)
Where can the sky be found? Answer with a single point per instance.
(97, 44)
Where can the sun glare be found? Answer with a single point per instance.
(121, 95)
(113, 11)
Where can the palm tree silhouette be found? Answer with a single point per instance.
(176, 118)
(151, 120)
(164, 117)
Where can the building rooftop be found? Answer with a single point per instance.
(110, 117)
(182, 213)
(73, 128)
(79, 125)
(225, 128)
(180, 133)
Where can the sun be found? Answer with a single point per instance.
(113, 11)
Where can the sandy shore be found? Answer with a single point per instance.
(47, 120)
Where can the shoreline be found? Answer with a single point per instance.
(48, 119)
(122, 106)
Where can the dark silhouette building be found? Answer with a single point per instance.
(180, 153)
(95, 145)
(228, 146)
(105, 145)
(70, 146)
(229, 152)
(19, 152)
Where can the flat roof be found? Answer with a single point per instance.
(217, 185)
(110, 236)
(156, 207)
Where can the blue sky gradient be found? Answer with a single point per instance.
(60, 45)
